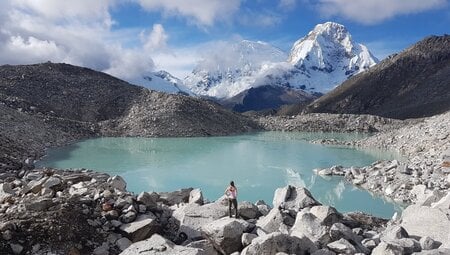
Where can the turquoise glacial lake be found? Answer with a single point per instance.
(258, 163)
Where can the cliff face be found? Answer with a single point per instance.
(48, 104)
(414, 83)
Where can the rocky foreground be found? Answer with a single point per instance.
(50, 211)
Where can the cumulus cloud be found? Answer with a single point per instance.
(201, 12)
(374, 11)
(74, 32)
(259, 19)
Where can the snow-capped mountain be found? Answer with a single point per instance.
(318, 62)
(232, 68)
(163, 81)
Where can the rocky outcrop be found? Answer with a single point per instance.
(324, 122)
(159, 245)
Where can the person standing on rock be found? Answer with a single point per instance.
(231, 193)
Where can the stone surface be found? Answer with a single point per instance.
(306, 224)
(425, 221)
(278, 242)
(248, 210)
(175, 197)
(143, 227)
(225, 234)
(247, 238)
(123, 243)
(196, 196)
(342, 246)
(387, 249)
(293, 198)
(326, 214)
(275, 221)
(159, 245)
(427, 243)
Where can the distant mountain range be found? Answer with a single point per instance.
(318, 62)
(414, 83)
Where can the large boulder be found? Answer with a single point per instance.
(248, 210)
(293, 198)
(5, 191)
(278, 242)
(192, 217)
(175, 197)
(196, 196)
(339, 230)
(225, 234)
(143, 227)
(425, 221)
(388, 249)
(342, 246)
(159, 245)
(276, 221)
(148, 199)
(117, 182)
(205, 245)
(306, 224)
(326, 214)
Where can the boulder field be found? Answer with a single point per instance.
(49, 211)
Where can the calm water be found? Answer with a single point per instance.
(258, 163)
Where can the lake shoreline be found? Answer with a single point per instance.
(431, 197)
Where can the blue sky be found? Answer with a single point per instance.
(128, 38)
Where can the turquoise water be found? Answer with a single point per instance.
(258, 163)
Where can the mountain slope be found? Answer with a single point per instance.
(414, 83)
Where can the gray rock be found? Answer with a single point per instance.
(192, 217)
(339, 230)
(326, 214)
(16, 248)
(117, 182)
(225, 234)
(369, 243)
(143, 227)
(5, 191)
(388, 249)
(205, 246)
(306, 224)
(102, 250)
(441, 251)
(123, 243)
(394, 232)
(247, 238)
(263, 209)
(175, 197)
(128, 217)
(426, 221)
(36, 185)
(323, 252)
(278, 242)
(78, 189)
(196, 196)
(149, 200)
(427, 243)
(52, 182)
(293, 198)
(409, 245)
(157, 245)
(39, 204)
(275, 221)
(342, 246)
(248, 210)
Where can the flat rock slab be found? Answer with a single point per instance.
(143, 227)
(159, 245)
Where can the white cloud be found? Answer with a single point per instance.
(202, 12)
(259, 19)
(74, 32)
(287, 4)
(156, 40)
(374, 11)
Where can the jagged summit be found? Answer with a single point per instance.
(318, 62)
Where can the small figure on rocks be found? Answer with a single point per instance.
(231, 193)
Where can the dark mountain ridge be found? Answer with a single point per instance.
(414, 83)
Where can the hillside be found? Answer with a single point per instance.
(46, 105)
(412, 84)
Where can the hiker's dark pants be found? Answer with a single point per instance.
(234, 203)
